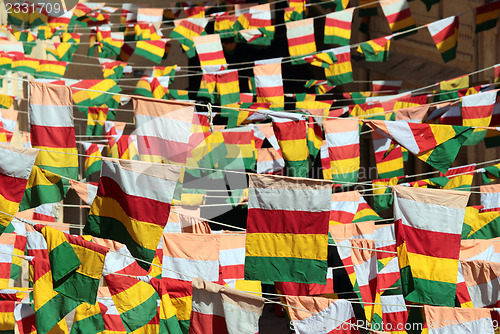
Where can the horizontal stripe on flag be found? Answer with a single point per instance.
(168, 149)
(50, 115)
(287, 268)
(207, 270)
(443, 245)
(156, 126)
(298, 222)
(310, 200)
(437, 269)
(17, 162)
(57, 157)
(304, 246)
(50, 136)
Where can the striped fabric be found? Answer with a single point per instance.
(342, 137)
(292, 139)
(108, 43)
(340, 72)
(224, 24)
(109, 312)
(50, 306)
(51, 68)
(435, 144)
(445, 34)
(301, 42)
(10, 245)
(185, 30)
(84, 97)
(221, 309)
(240, 147)
(167, 312)
(323, 315)
(365, 212)
(153, 50)
(376, 50)
(52, 128)
(93, 158)
(269, 160)
(163, 129)
(88, 319)
(135, 301)
(343, 207)
(85, 191)
(25, 318)
(187, 255)
(209, 49)
(43, 187)
(293, 248)
(303, 289)
(460, 178)
(482, 278)
(389, 163)
(424, 244)
(133, 215)
(457, 320)
(382, 193)
(96, 117)
(8, 122)
(7, 320)
(269, 84)
(338, 27)
(386, 86)
(15, 167)
(228, 87)
(295, 12)
(232, 258)
(112, 69)
(490, 197)
(398, 15)
(487, 16)
(477, 110)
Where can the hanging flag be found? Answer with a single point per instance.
(435, 144)
(338, 27)
(88, 319)
(460, 178)
(387, 87)
(323, 314)
(389, 162)
(45, 212)
(51, 69)
(491, 173)
(445, 34)
(50, 306)
(52, 129)
(185, 30)
(109, 43)
(96, 116)
(428, 253)
(340, 72)
(301, 42)
(43, 187)
(93, 158)
(490, 197)
(207, 87)
(477, 110)
(398, 15)
(153, 50)
(481, 277)
(228, 87)
(343, 207)
(342, 137)
(224, 24)
(15, 167)
(8, 123)
(114, 211)
(275, 251)
(112, 69)
(382, 199)
(376, 50)
(25, 318)
(109, 312)
(209, 49)
(487, 16)
(292, 139)
(269, 84)
(295, 12)
(11, 244)
(458, 320)
(163, 129)
(86, 93)
(232, 258)
(85, 191)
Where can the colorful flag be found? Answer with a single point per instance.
(109, 312)
(398, 15)
(209, 49)
(342, 138)
(487, 16)
(389, 162)
(25, 318)
(301, 42)
(428, 249)
(52, 129)
(163, 129)
(153, 50)
(460, 178)
(15, 167)
(340, 72)
(86, 191)
(232, 258)
(86, 93)
(490, 197)
(88, 319)
(224, 24)
(112, 69)
(93, 158)
(11, 244)
(294, 247)
(445, 34)
(376, 50)
(228, 87)
(96, 116)
(132, 205)
(292, 139)
(458, 320)
(167, 312)
(43, 187)
(269, 84)
(477, 110)
(185, 30)
(481, 278)
(323, 314)
(435, 144)
(51, 69)
(382, 199)
(221, 309)
(343, 207)
(338, 27)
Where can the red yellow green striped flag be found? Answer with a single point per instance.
(428, 249)
(338, 27)
(293, 248)
(185, 30)
(398, 15)
(228, 87)
(131, 213)
(445, 34)
(389, 163)
(301, 42)
(340, 72)
(168, 313)
(52, 128)
(487, 16)
(93, 158)
(224, 24)
(153, 50)
(269, 83)
(292, 139)
(112, 69)
(43, 187)
(88, 319)
(96, 117)
(376, 50)
(477, 110)
(209, 49)
(16, 164)
(51, 68)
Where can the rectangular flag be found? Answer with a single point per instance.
(185, 30)
(340, 72)
(487, 16)
(482, 279)
(398, 15)
(232, 258)
(269, 84)
(342, 138)
(153, 50)
(96, 117)
(428, 249)
(132, 205)
(458, 320)
(292, 139)
(490, 197)
(43, 187)
(477, 110)
(15, 168)
(389, 162)
(287, 229)
(445, 34)
(228, 86)
(93, 158)
(338, 27)
(301, 42)
(163, 129)
(221, 309)
(52, 128)
(209, 49)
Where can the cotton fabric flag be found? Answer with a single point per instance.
(153, 50)
(15, 167)
(132, 205)
(209, 49)
(228, 87)
(487, 16)
(93, 158)
(338, 27)
(490, 197)
(163, 129)
(458, 320)
(376, 50)
(477, 110)
(294, 247)
(301, 42)
(445, 34)
(428, 249)
(88, 319)
(185, 30)
(221, 309)
(96, 116)
(167, 312)
(482, 279)
(389, 162)
(269, 84)
(398, 15)
(292, 139)
(43, 187)
(340, 72)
